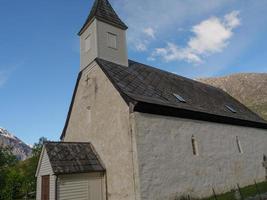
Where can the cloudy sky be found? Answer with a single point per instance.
(39, 49)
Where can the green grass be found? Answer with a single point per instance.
(249, 191)
(225, 196)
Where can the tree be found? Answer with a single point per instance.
(7, 158)
(7, 161)
(37, 147)
(17, 178)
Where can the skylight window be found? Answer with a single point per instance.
(181, 99)
(231, 109)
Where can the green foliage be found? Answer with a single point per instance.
(37, 147)
(7, 162)
(248, 191)
(6, 158)
(17, 178)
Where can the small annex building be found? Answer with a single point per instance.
(150, 134)
(68, 171)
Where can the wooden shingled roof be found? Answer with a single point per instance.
(70, 158)
(103, 11)
(140, 83)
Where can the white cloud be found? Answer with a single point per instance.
(210, 36)
(141, 47)
(7, 70)
(3, 78)
(232, 19)
(142, 44)
(172, 52)
(150, 32)
(167, 16)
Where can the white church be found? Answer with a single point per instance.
(135, 132)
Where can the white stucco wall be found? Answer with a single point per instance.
(88, 56)
(45, 169)
(119, 55)
(98, 32)
(106, 126)
(167, 166)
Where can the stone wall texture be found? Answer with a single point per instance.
(168, 168)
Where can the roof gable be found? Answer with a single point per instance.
(103, 11)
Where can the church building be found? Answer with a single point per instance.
(135, 132)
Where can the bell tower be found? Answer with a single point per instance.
(103, 36)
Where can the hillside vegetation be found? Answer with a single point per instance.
(248, 88)
(17, 177)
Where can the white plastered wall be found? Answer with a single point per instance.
(98, 32)
(168, 168)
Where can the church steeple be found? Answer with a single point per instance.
(103, 35)
(103, 11)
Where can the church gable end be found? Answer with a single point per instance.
(94, 99)
(100, 115)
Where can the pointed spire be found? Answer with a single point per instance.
(103, 11)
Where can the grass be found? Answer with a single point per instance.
(249, 191)
(225, 196)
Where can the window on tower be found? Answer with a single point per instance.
(112, 41)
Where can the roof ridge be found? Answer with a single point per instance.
(53, 142)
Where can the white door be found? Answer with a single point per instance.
(80, 187)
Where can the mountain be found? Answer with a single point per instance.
(19, 148)
(248, 88)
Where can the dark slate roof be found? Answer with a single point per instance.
(103, 11)
(70, 158)
(142, 83)
(150, 90)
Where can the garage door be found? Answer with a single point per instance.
(80, 187)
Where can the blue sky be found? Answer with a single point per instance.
(39, 50)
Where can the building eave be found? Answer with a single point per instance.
(155, 109)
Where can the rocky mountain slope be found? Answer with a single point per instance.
(248, 88)
(19, 148)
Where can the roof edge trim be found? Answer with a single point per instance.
(71, 106)
(156, 109)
